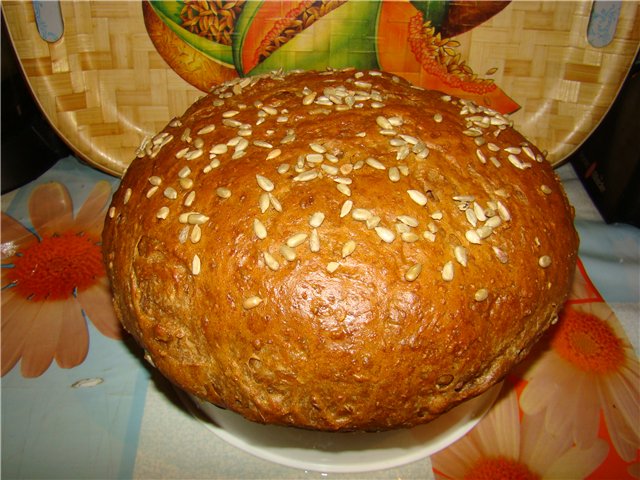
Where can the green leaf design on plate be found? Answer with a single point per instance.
(169, 13)
(434, 10)
(243, 23)
(346, 37)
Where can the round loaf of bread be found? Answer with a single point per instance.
(338, 250)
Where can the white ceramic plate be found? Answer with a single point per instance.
(343, 452)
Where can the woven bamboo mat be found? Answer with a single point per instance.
(104, 86)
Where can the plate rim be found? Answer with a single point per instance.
(485, 400)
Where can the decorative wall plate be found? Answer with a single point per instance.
(107, 73)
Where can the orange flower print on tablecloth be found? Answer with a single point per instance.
(588, 366)
(503, 447)
(52, 278)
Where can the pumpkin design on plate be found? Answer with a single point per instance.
(209, 42)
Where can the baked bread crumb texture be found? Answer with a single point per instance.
(338, 250)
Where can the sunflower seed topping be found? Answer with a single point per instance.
(373, 163)
(402, 228)
(259, 229)
(195, 265)
(287, 252)
(219, 149)
(544, 261)
(186, 183)
(384, 123)
(481, 295)
(162, 213)
(251, 302)
(479, 212)
(288, 138)
(296, 240)
(275, 203)
(306, 176)
(264, 183)
(314, 240)
(500, 255)
(471, 217)
(127, 196)
(344, 189)
(472, 132)
(493, 222)
(207, 129)
(263, 202)
(283, 168)
(330, 169)
(343, 180)
(262, 144)
(429, 236)
(413, 272)
(196, 234)
(190, 198)
(418, 197)
(409, 237)
(316, 147)
(545, 189)
(385, 234)
(309, 98)
(394, 174)
(193, 154)
(194, 218)
(223, 192)
(346, 208)
(270, 261)
(170, 193)
(314, 158)
(346, 168)
(152, 191)
(332, 266)
(447, 271)
(484, 231)
(516, 162)
(316, 219)
(461, 255)
(503, 212)
(473, 237)
(361, 214)
(408, 220)
(348, 248)
(527, 150)
(373, 221)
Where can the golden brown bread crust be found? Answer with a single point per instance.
(367, 345)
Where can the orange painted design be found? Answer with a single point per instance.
(588, 342)
(55, 267)
(268, 24)
(613, 466)
(432, 64)
(500, 468)
(403, 48)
